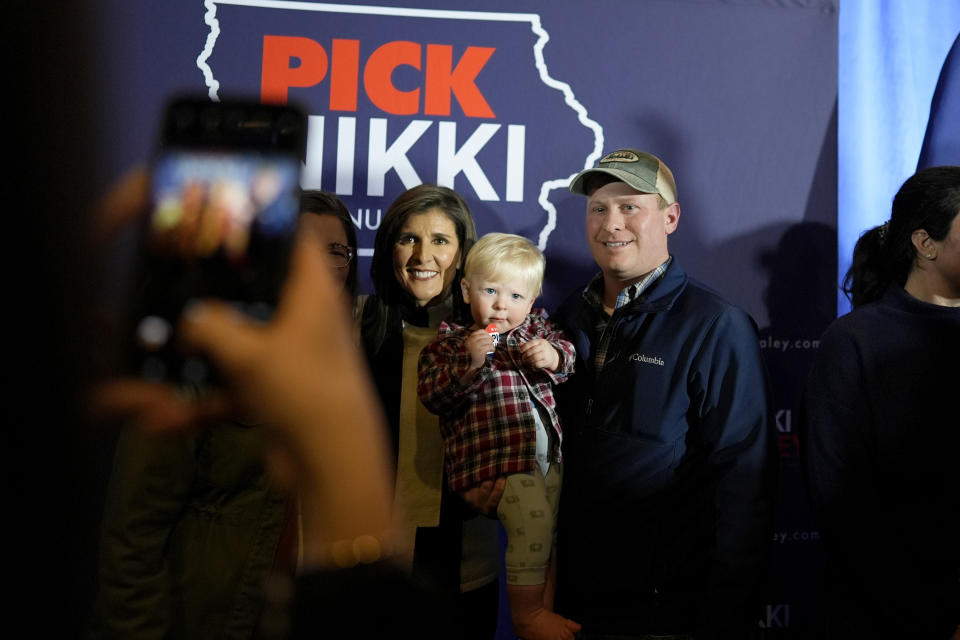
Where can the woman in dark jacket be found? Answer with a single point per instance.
(418, 255)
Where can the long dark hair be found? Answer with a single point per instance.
(382, 310)
(928, 200)
(326, 203)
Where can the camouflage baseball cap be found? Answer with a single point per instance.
(643, 171)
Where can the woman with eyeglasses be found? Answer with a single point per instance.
(419, 251)
(325, 219)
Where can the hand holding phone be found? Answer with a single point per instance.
(222, 215)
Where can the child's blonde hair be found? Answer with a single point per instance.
(505, 256)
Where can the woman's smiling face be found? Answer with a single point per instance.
(426, 256)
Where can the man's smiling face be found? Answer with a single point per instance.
(627, 231)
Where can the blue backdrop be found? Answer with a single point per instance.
(505, 104)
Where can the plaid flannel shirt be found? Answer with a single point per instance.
(488, 425)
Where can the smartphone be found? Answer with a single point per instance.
(223, 208)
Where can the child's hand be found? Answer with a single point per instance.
(540, 354)
(479, 344)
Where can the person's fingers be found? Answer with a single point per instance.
(223, 334)
(214, 407)
(485, 497)
(310, 295)
(122, 204)
(476, 496)
(149, 405)
(496, 493)
(188, 414)
(529, 354)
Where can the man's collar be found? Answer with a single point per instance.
(594, 292)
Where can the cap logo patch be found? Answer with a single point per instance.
(621, 156)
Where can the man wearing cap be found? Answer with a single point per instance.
(667, 498)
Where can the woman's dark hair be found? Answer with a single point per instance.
(928, 200)
(326, 203)
(381, 311)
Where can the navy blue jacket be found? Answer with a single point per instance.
(666, 506)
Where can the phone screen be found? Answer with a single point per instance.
(221, 224)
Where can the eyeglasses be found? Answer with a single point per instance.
(338, 255)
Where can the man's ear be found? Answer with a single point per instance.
(923, 243)
(672, 217)
(465, 290)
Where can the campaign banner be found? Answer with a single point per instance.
(401, 96)
(505, 101)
